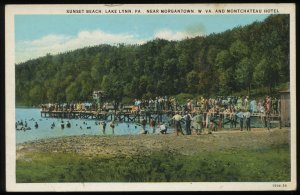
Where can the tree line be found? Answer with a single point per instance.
(239, 59)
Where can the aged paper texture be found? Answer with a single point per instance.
(185, 97)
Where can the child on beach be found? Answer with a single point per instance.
(163, 128)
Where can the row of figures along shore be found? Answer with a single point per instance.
(222, 103)
(188, 122)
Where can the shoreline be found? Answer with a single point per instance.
(128, 145)
(172, 132)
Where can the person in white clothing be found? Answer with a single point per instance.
(163, 128)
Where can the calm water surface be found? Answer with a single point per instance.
(32, 115)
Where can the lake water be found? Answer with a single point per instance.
(78, 126)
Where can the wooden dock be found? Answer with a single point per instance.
(107, 115)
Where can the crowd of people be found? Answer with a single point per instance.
(198, 114)
(209, 113)
(205, 104)
(79, 106)
(219, 104)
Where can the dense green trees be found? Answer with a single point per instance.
(239, 59)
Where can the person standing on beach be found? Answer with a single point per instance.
(188, 119)
(267, 106)
(240, 115)
(103, 126)
(112, 125)
(199, 122)
(177, 119)
(152, 124)
(247, 115)
(232, 117)
(144, 122)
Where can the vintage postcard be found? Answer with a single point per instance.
(118, 97)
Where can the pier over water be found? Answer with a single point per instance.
(129, 114)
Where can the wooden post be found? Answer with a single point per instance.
(279, 122)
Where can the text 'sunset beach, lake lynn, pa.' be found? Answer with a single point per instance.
(168, 97)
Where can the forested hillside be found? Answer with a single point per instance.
(236, 60)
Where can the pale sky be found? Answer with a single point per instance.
(37, 35)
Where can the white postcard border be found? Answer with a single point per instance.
(12, 10)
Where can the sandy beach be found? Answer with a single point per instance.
(127, 145)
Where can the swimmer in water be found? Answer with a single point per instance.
(36, 125)
(62, 125)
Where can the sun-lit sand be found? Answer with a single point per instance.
(91, 145)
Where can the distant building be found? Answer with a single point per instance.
(98, 94)
(285, 107)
